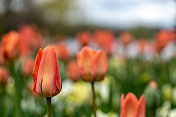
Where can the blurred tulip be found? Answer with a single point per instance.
(10, 46)
(46, 76)
(73, 71)
(142, 46)
(162, 39)
(131, 107)
(27, 66)
(3, 76)
(84, 38)
(125, 38)
(62, 51)
(92, 64)
(30, 38)
(105, 39)
(152, 95)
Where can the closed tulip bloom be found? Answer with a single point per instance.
(92, 64)
(10, 46)
(3, 76)
(46, 76)
(131, 107)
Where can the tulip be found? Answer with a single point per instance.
(73, 71)
(46, 76)
(131, 107)
(162, 39)
(62, 51)
(105, 39)
(10, 46)
(125, 38)
(3, 76)
(27, 66)
(93, 67)
(84, 38)
(30, 37)
(92, 64)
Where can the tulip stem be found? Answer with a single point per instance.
(93, 99)
(48, 106)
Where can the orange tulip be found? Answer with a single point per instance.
(142, 46)
(84, 38)
(30, 36)
(10, 46)
(105, 39)
(73, 71)
(131, 107)
(46, 76)
(62, 51)
(3, 76)
(27, 66)
(92, 64)
(162, 39)
(125, 38)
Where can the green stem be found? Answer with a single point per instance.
(18, 89)
(93, 98)
(2, 101)
(48, 106)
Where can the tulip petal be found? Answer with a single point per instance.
(36, 67)
(122, 106)
(130, 105)
(140, 112)
(99, 65)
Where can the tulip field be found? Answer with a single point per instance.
(91, 74)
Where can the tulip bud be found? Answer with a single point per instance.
(152, 95)
(3, 76)
(10, 46)
(131, 107)
(92, 64)
(46, 76)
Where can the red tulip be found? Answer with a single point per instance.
(162, 39)
(27, 66)
(46, 76)
(142, 46)
(126, 38)
(10, 46)
(105, 39)
(84, 38)
(73, 71)
(131, 107)
(31, 39)
(62, 51)
(3, 76)
(92, 64)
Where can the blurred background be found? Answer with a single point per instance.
(139, 37)
(68, 17)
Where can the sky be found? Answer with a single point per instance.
(129, 13)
